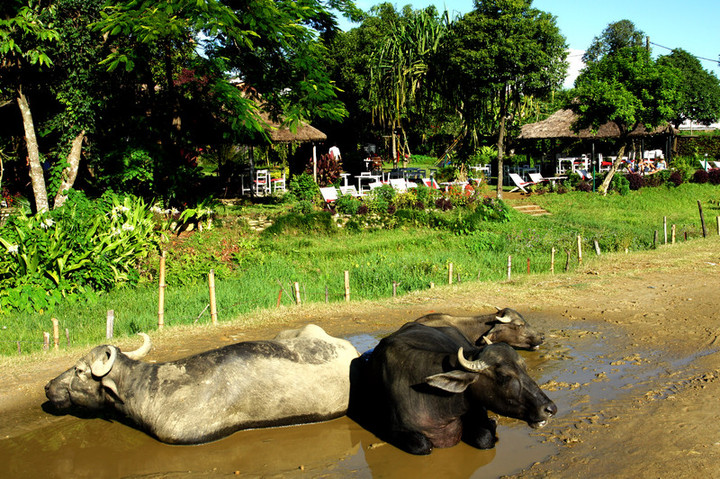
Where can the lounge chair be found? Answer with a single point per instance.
(350, 190)
(431, 183)
(329, 194)
(398, 184)
(520, 184)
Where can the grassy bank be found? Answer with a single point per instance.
(252, 269)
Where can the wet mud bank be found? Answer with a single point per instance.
(589, 369)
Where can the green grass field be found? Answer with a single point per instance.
(252, 269)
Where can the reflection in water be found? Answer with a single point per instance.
(91, 448)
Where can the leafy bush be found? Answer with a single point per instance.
(81, 246)
(583, 185)
(347, 205)
(700, 176)
(620, 184)
(636, 181)
(443, 204)
(304, 187)
(311, 223)
(676, 178)
(328, 170)
(714, 176)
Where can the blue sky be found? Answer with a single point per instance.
(692, 26)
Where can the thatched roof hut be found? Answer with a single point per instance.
(560, 125)
(282, 134)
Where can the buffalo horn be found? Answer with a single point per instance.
(472, 366)
(503, 319)
(100, 368)
(142, 350)
(487, 341)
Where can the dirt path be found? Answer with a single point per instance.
(665, 300)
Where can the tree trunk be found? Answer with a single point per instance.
(501, 143)
(613, 169)
(36, 172)
(70, 172)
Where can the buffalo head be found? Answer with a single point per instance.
(88, 384)
(496, 378)
(508, 326)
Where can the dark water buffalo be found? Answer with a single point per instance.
(504, 326)
(429, 387)
(300, 376)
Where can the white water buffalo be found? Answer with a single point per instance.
(300, 376)
(504, 326)
(425, 387)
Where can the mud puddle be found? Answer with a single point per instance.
(583, 370)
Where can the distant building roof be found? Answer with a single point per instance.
(559, 125)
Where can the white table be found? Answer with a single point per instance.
(369, 179)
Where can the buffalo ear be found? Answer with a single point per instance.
(104, 361)
(453, 382)
(110, 384)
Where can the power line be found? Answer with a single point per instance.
(699, 58)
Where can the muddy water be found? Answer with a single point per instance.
(68, 446)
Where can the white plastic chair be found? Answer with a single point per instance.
(261, 182)
(278, 184)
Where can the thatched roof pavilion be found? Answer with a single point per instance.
(282, 134)
(559, 125)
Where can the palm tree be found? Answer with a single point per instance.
(400, 68)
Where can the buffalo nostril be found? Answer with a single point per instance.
(551, 409)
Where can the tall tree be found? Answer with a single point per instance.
(400, 66)
(628, 88)
(496, 55)
(614, 38)
(25, 37)
(698, 90)
(185, 60)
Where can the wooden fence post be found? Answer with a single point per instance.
(717, 220)
(432, 285)
(161, 296)
(296, 285)
(665, 228)
(528, 265)
(394, 288)
(672, 234)
(347, 286)
(46, 341)
(56, 332)
(67, 336)
(279, 298)
(213, 303)
(597, 247)
(509, 268)
(552, 261)
(450, 275)
(110, 324)
(567, 261)
(702, 219)
(655, 239)
(579, 241)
